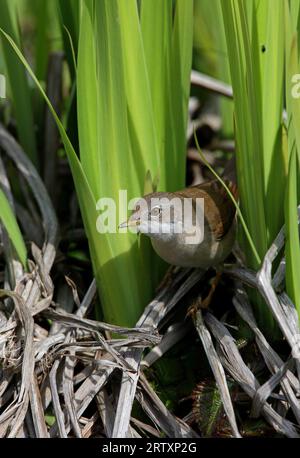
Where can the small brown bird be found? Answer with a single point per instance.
(173, 231)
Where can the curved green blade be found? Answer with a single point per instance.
(9, 221)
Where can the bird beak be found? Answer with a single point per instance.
(129, 223)
(122, 225)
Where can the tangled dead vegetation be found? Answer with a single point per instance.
(65, 375)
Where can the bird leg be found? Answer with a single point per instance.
(205, 303)
(167, 278)
(216, 280)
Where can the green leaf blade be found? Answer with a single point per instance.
(9, 221)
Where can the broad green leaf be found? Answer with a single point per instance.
(156, 29)
(248, 112)
(118, 135)
(140, 111)
(9, 221)
(245, 24)
(85, 196)
(294, 102)
(179, 82)
(292, 246)
(87, 90)
(17, 81)
(291, 203)
(272, 86)
(41, 15)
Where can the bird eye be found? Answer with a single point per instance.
(137, 208)
(155, 211)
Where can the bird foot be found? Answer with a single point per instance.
(193, 309)
(205, 303)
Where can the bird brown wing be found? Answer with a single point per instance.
(219, 209)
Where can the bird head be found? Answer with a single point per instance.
(156, 215)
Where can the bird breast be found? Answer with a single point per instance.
(178, 251)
